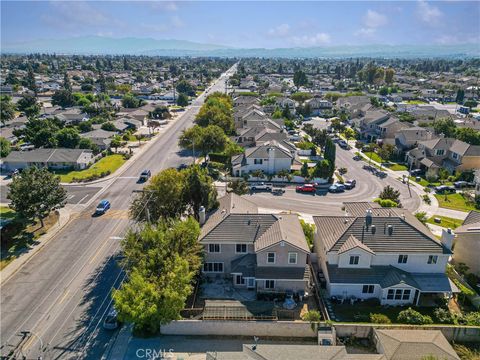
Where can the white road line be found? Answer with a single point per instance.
(83, 198)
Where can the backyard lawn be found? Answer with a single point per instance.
(108, 164)
(374, 156)
(454, 201)
(445, 222)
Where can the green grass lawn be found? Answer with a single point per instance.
(374, 156)
(397, 167)
(416, 102)
(7, 213)
(454, 202)
(108, 163)
(360, 312)
(446, 222)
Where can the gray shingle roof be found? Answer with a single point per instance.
(46, 155)
(281, 273)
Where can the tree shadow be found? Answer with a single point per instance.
(88, 339)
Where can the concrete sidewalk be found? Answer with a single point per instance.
(26, 254)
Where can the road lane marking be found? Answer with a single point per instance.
(83, 198)
(64, 296)
(92, 259)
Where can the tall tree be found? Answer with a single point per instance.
(300, 78)
(35, 192)
(182, 100)
(4, 147)
(389, 74)
(445, 126)
(67, 85)
(67, 138)
(28, 104)
(7, 109)
(390, 193)
(199, 190)
(30, 80)
(204, 139)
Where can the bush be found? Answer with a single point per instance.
(443, 316)
(427, 199)
(471, 318)
(380, 319)
(421, 216)
(386, 203)
(411, 316)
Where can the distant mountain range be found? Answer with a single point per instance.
(149, 46)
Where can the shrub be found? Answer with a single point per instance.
(411, 316)
(427, 199)
(421, 216)
(443, 316)
(380, 319)
(386, 203)
(471, 318)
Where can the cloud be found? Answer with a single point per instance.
(176, 21)
(427, 13)
(310, 40)
(279, 31)
(164, 5)
(373, 19)
(70, 15)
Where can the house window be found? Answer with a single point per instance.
(454, 155)
(406, 295)
(390, 294)
(292, 257)
(402, 259)
(239, 280)
(432, 259)
(368, 289)
(241, 248)
(271, 258)
(439, 152)
(354, 259)
(258, 161)
(398, 294)
(215, 267)
(269, 284)
(213, 248)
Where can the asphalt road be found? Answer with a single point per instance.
(62, 293)
(323, 203)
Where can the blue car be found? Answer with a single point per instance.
(102, 207)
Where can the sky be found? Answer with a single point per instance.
(248, 24)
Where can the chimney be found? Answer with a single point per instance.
(368, 218)
(447, 238)
(201, 215)
(390, 229)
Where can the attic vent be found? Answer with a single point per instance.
(390, 229)
(374, 229)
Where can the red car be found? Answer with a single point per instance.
(307, 188)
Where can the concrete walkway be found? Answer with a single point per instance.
(26, 254)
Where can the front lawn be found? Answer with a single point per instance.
(107, 165)
(454, 201)
(6, 213)
(374, 156)
(445, 222)
(360, 312)
(416, 102)
(397, 167)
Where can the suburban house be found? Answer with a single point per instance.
(52, 158)
(382, 253)
(264, 252)
(467, 243)
(99, 137)
(390, 344)
(240, 111)
(257, 135)
(253, 115)
(285, 103)
(406, 139)
(369, 125)
(245, 100)
(269, 157)
(447, 153)
(73, 115)
(319, 106)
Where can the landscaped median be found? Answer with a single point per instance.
(104, 167)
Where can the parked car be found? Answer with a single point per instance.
(343, 144)
(444, 189)
(27, 146)
(145, 175)
(462, 184)
(14, 173)
(350, 184)
(261, 186)
(306, 188)
(111, 320)
(278, 191)
(336, 188)
(381, 174)
(357, 158)
(102, 207)
(416, 172)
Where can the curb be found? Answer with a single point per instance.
(12, 268)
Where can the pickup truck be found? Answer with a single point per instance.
(261, 186)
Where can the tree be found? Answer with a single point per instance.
(63, 98)
(304, 171)
(35, 192)
(108, 126)
(217, 110)
(349, 133)
(322, 169)
(160, 112)
(330, 153)
(204, 139)
(116, 142)
(460, 96)
(7, 109)
(199, 190)
(66, 83)
(86, 143)
(238, 186)
(386, 151)
(130, 102)
(182, 100)
(389, 193)
(184, 87)
(163, 197)
(445, 126)
(468, 135)
(28, 105)
(40, 132)
(67, 138)
(471, 104)
(300, 78)
(85, 126)
(301, 96)
(389, 74)
(30, 80)
(4, 147)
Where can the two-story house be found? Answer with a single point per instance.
(467, 243)
(406, 139)
(319, 106)
(265, 252)
(270, 157)
(382, 253)
(369, 125)
(257, 135)
(448, 153)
